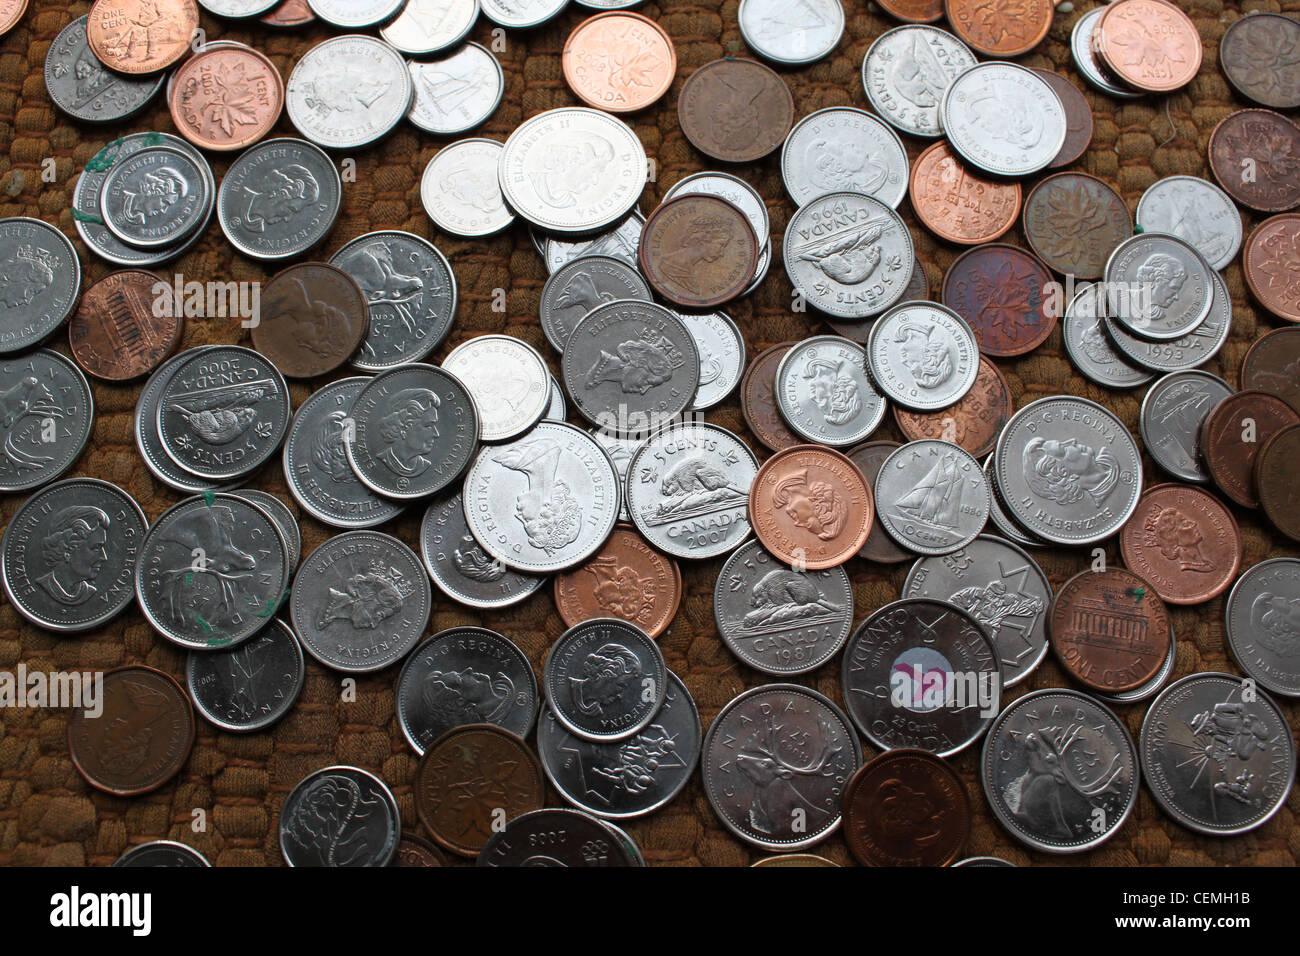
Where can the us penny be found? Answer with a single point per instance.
(116, 333)
(1150, 45)
(1183, 541)
(758, 400)
(1000, 29)
(959, 204)
(698, 251)
(974, 422)
(1273, 365)
(1258, 56)
(1229, 458)
(314, 318)
(1109, 629)
(914, 11)
(1265, 143)
(226, 98)
(1271, 262)
(141, 36)
(621, 62)
(1073, 221)
(625, 579)
(999, 290)
(879, 546)
(1275, 481)
(1078, 118)
(906, 808)
(735, 111)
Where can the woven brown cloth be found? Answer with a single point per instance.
(49, 815)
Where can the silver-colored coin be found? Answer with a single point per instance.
(558, 837)
(921, 673)
(48, 416)
(147, 440)
(414, 431)
(521, 14)
(621, 241)
(621, 451)
(774, 749)
(1151, 687)
(607, 4)
(998, 515)
(1060, 771)
(579, 286)
(999, 585)
(237, 9)
(557, 410)
(922, 355)
(279, 199)
(572, 170)
(354, 14)
(1068, 470)
(722, 356)
(848, 255)
(1196, 211)
(824, 393)
(906, 71)
(1090, 348)
(460, 190)
(348, 92)
(810, 35)
(1191, 350)
(461, 568)
(249, 687)
(212, 572)
(465, 675)
(1085, 57)
(430, 26)
(87, 90)
(285, 521)
(1158, 286)
(1263, 622)
(1172, 414)
(629, 778)
(410, 290)
(839, 149)
(508, 381)
(931, 497)
(544, 502)
(156, 197)
(734, 190)
(340, 816)
(604, 679)
(760, 270)
(42, 280)
(1216, 762)
(69, 552)
(688, 490)
(161, 853)
(777, 619)
(1003, 118)
(989, 861)
(457, 92)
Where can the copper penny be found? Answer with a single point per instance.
(1271, 261)
(417, 851)
(736, 111)
(906, 808)
(698, 251)
(470, 776)
(1078, 118)
(291, 13)
(141, 36)
(811, 506)
(1109, 629)
(314, 316)
(1273, 365)
(1229, 456)
(1149, 45)
(1074, 221)
(1000, 290)
(226, 97)
(957, 204)
(11, 11)
(758, 400)
(914, 11)
(627, 579)
(1184, 542)
(1258, 54)
(142, 736)
(879, 546)
(116, 333)
(1253, 157)
(974, 422)
(1276, 483)
(1000, 28)
(918, 288)
(619, 61)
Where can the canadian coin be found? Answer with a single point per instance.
(249, 687)
(1275, 484)
(1184, 541)
(156, 197)
(843, 150)
(508, 381)
(620, 451)
(556, 838)
(141, 36)
(1073, 220)
(879, 546)
(922, 355)
(906, 71)
(1149, 44)
(1234, 150)
(521, 14)
(998, 514)
(340, 816)
(974, 422)
(354, 14)
(931, 496)
(1002, 292)
(621, 241)
(605, 679)
(556, 411)
(1158, 286)
(1272, 365)
(285, 521)
(595, 54)
(735, 110)
(430, 26)
(460, 567)
(1232, 435)
(43, 266)
(348, 92)
(1078, 114)
(1089, 346)
(279, 199)
(825, 394)
(769, 31)
(1003, 118)
(161, 853)
(316, 317)
(1191, 350)
(1173, 412)
(758, 400)
(626, 579)
(457, 92)
(147, 440)
(1255, 55)
(1000, 31)
(698, 251)
(878, 835)
(579, 286)
(47, 421)
(959, 203)
(87, 90)
(1196, 211)
(225, 97)
(734, 190)
(1261, 615)
(1085, 57)
(1272, 253)
(460, 190)
(721, 346)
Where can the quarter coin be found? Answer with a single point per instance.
(1261, 621)
(460, 567)
(42, 281)
(47, 421)
(353, 806)
(579, 286)
(605, 679)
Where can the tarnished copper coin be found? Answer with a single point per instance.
(1078, 118)
(1001, 29)
(11, 11)
(811, 507)
(1109, 629)
(141, 36)
(736, 111)
(906, 808)
(1150, 45)
(914, 11)
(1253, 157)
(918, 289)
(1232, 435)
(974, 422)
(758, 400)
(619, 61)
(417, 851)
(226, 97)
(1184, 542)
(314, 316)
(1271, 261)
(959, 204)
(117, 334)
(1273, 365)
(1260, 55)
(1000, 290)
(471, 780)
(1074, 221)
(627, 579)
(141, 737)
(879, 546)
(290, 13)
(1277, 481)
(698, 251)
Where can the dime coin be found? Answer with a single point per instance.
(769, 32)
(354, 14)
(556, 838)
(880, 832)
(1253, 54)
(147, 440)
(84, 88)
(597, 53)
(43, 266)
(959, 204)
(521, 16)
(1173, 412)
(1195, 348)
(722, 356)
(1078, 115)
(1001, 292)
(156, 197)
(161, 853)
(1000, 32)
(249, 687)
(1229, 456)
(279, 199)
(906, 71)
(1258, 140)
(457, 92)
(1073, 220)
(1270, 262)
(431, 26)
(1090, 347)
(348, 92)
(758, 400)
(47, 421)
(879, 546)
(1259, 614)
(1158, 286)
(984, 115)
(620, 241)
(974, 422)
(508, 381)
(735, 111)
(415, 851)
(459, 565)
(290, 13)
(931, 496)
(605, 679)
(620, 451)
(698, 251)
(1109, 629)
(226, 98)
(843, 150)
(1085, 57)
(1273, 365)
(141, 36)
(1149, 44)
(824, 393)
(285, 520)
(1196, 211)
(1184, 542)
(579, 286)
(460, 190)
(1275, 471)
(627, 579)
(117, 334)
(923, 356)
(316, 318)
(355, 808)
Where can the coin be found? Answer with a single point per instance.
(354, 14)
(758, 400)
(10, 14)
(1109, 629)
(735, 111)
(1158, 286)
(42, 279)
(84, 88)
(795, 860)
(316, 317)
(147, 440)
(460, 191)
(286, 522)
(597, 53)
(1272, 365)
(347, 92)
(581, 285)
(1072, 221)
(1196, 211)
(1184, 542)
(1000, 32)
(604, 679)
(1270, 262)
(249, 687)
(416, 851)
(456, 92)
(1001, 292)
(508, 381)
(290, 13)
(556, 838)
(619, 241)
(698, 251)
(1275, 470)
(1090, 348)
(914, 11)
(923, 356)
(237, 9)
(735, 191)
(430, 26)
(226, 98)
(141, 36)
(1232, 435)
(620, 451)
(1151, 687)
(974, 422)
(721, 347)
(161, 853)
(998, 513)
(918, 287)
(769, 32)
(879, 546)
(47, 421)
(906, 808)
(1253, 54)
(1151, 45)
(1259, 615)
(931, 496)
(1191, 350)
(156, 197)
(906, 71)
(1248, 153)
(824, 393)
(960, 204)
(843, 150)
(1085, 57)
(1003, 118)
(1078, 115)
(354, 810)
(116, 334)
(626, 579)
(521, 16)
(460, 567)
(1173, 412)
(278, 199)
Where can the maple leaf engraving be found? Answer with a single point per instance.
(1005, 299)
(1004, 18)
(1269, 56)
(632, 66)
(1282, 265)
(1073, 226)
(234, 104)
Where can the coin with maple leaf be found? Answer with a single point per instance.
(1260, 55)
(1000, 28)
(1272, 265)
(999, 290)
(1255, 156)
(1073, 221)
(619, 61)
(226, 98)
(1150, 45)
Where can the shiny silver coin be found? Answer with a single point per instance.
(1003, 118)
(777, 619)
(161, 853)
(931, 497)
(42, 280)
(1085, 56)
(348, 92)
(1196, 211)
(47, 421)
(460, 190)
(990, 861)
(156, 197)
(1151, 687)
(459, 565)
(285, 521)
(69, 552)
(557, 410)
(1217, 754)
(1172, 414)
(922, 355)
(354, 14)
(621, 241)
(579, 286)
(1091, 349)
(771, 751)
(906, 71)
(249, 687)
(430, 26)
(568, 838)
(1191, 350)
(521, 14)
(770, 31)
(508, 381)
(998, 514)
(237, 9)
(721, 346)
(147, 440)
(1158, 287)
(735, 191)
(279, 199)
(87, 90)
(1262, 612)
(760, 270)
(824, 393)
(1060, 771)
(844, 150)
(340, 816)
(621, 450)
(457, 92)
(605, 680)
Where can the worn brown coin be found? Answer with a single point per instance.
(1078, 118)
(472, 780)
(734, 110)
(758, 400)
(1260, 55)
(1074, 221)
(1273, 365)
(1109, 629)
(1000, 290)
(698, 251)
(906, 808)
(914, 11)
(974, 422)
(141, 36)
(116, 333)
(1271, 261)
(1232, 435)
(879, 546)
(1277, 481)
(417, 851)
(1184, 541)
(1149, 45)
(290, 13)
(314, 316)
(141, 736)
(918, 289)
(1002, 29)
(959, 204)
(627, 579)
(1253, 155)
(226, 97)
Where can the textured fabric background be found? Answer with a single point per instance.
(49, 815)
